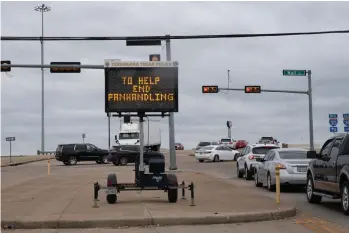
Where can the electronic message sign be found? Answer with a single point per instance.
(141, 86)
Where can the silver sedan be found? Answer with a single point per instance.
(293, 165)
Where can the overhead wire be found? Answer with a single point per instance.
(183, 37)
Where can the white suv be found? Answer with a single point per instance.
(246, 163)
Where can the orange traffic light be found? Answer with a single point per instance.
(252, 89)
(209, 89)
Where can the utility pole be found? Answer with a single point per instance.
(42, 8)
(173, 165)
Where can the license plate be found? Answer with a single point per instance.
(302, 169)
(110, 191)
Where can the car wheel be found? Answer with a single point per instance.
(311, 197)
(201, 160)
(345, 197)
(105, 159)
(123, 161)
(216, 158)
(66, 163)
(248, 175)
(256, 181)
(72, 160)
(238, 172)
(271, 187)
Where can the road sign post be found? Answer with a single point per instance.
(10, 140)
(83, 137)
(310, 97)
(229, 124)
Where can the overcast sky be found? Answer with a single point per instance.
(74, 103)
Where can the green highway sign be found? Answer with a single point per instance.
(294, 72)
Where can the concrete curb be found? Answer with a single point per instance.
(24, 162)
(154, 220)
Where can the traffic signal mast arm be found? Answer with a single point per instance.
(264, 90)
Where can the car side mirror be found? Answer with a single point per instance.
(116, 137)
(260, 160)
(312, 154)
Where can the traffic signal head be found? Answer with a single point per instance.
(209, 89)
(252, 89)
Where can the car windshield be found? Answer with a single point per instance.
(267, 139)
(262, 150)
(207, 148)
(225, 140)
(129, 136)
(204, 144)
(293, 154)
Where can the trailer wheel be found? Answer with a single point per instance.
(112, 182)
(172, 194)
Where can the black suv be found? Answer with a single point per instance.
(70, 154)
(328, 172)
(124, 154)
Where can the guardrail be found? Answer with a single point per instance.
(38, 152)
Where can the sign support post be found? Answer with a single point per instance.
(229, 128)
(10, 151)
(173, 165)
(141, 143)
(10, 139)
(108, 114)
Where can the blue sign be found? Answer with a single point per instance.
(334, 129)
(332, 116)
(346, 122)
(346, 129)
(333, 122)
(345, 115)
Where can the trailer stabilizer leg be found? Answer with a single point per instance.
(95, 191)
(191, 188)
(183, 191)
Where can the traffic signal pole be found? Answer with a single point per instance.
(309, 93)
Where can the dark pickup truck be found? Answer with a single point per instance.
(328, 172)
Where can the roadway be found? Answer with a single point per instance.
(329, 210)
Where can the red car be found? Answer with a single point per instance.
(240, 144)
(179, 146)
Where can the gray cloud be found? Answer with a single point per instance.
(75, 102)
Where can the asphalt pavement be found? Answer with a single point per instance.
(311, 218)
(328, 210)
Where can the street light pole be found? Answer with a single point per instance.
(42, 8)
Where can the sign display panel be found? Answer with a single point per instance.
(141, 86)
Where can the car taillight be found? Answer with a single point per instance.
(251, 157)
(280, 166)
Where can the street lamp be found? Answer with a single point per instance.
(42, 8)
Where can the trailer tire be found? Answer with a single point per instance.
(172, 194)
(112, 182)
